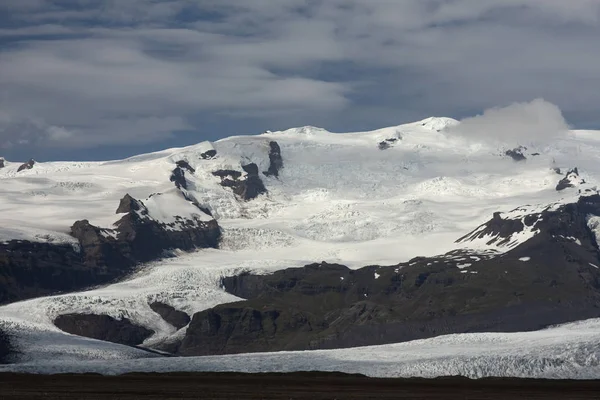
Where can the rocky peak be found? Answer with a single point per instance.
(128, 204)
(28, 165)
(2, 162)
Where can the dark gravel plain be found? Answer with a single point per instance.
(305, 385)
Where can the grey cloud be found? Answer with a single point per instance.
(117, 71)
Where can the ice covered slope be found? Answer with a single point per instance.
(333, 189)
(339, 198)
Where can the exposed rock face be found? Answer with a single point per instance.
(253, 186)
(248, 187)
(275, 160)
(28, 165)
(178, 178)
(571, 179)
(229, 174)
(100, 247)
(30, 269)
(185, 165)
(2, 162)
(103, 327)
(517, 153)
(6, 348)
(549, 279)
(178, 174)
(177, 318)
(209, 154)
(128, 204)
(139, 238)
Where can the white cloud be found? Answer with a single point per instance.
(534, 122)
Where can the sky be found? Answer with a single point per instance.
(106, 79)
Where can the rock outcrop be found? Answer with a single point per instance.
(247, 187)
(178, 178)
(384, 145)
(570, 180)
(2, 162)
(140, 238)
(177, 318)
(517, 153)
(275, 160)
(387, 143)
(103, 327)
(185, 165)
(209, 154)
(178, 174)
(28, 165)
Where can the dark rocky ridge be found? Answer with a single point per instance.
(30, 269)
(28, 165)
(177, 318)
(103, 327)
(2, 162)
(567, 220)
(549, 279)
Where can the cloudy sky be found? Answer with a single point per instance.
(98, 79)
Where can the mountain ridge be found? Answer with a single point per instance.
(286, 199)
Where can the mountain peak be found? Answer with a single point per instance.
(437, 123)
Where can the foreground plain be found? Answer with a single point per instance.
(301, 385)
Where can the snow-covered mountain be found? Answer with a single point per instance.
(171, 225)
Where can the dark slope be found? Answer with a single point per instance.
(299, 385)
(549, 279)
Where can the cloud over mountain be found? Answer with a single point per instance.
(145, 71)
